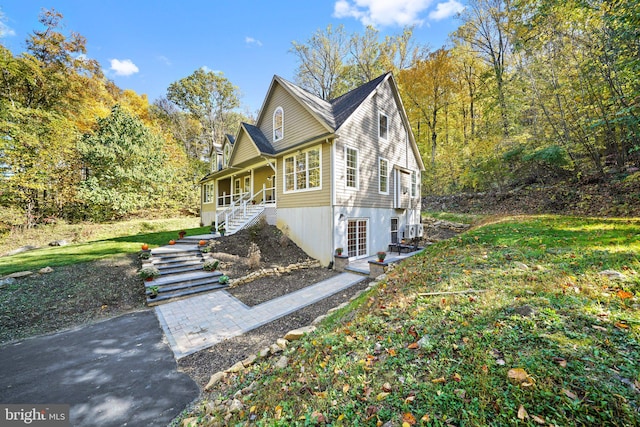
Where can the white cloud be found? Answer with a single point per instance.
(382, 12)
(5, 30)
(250, 40)
(123, 67)
(446, 10)
(164, 59)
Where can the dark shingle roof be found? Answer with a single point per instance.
(319, 106)
(345, 105)
(259, 139)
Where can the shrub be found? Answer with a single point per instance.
(254, 256)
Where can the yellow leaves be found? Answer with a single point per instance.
(345, 388)
(413, 346)
(408, 419)
(438, 380)
(382, 395)
(622, 294)
(621, 325)
(520, 376)
(391, 351)
(278, 412)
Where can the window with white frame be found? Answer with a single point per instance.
(278, 124)
(383, 176)
(414, 184)
(208, 190)
(383, 126)
(247, 184)
(302, 171)
(351, 165)
(226, 154)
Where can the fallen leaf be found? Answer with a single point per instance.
(386, 387)
(382, 395)
(321, 394)
(278, 412)
(412, 332)
(621, 325)
(518, 375)
(438, 380)
(410, 399)
(425, 418)
(569, 394)
(340, 417)
(391, 351)
(599, 328)
(537, 419)
(318, 417)
(485, 369)
(456, 377)
(408, 418)
(622, 294)
(345, 388)
(522, 413)
(560, 361)
(413, 346)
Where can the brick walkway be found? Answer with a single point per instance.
(202, 321)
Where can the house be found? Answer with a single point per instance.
(341, 173)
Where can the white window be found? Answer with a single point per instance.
(278, 124)
(302, 171)
(394, 230)
(351, 165)
(236, 189)
(208, 190)
(414, 184)
(383, 176)
(226, 154)
(247, 184)
(383, 126)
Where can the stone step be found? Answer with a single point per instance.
(158, 261)
(183, 293)
(169, 271)
(186, 285)
(184, 277)
(172, 250)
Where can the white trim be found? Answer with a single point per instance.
(380, 160)
(208, 189)
(317, 148)
(275, 138)
(380, 115)
(367, 237)
(357, 168)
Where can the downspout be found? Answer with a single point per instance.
(333, 195)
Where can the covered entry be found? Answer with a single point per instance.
(357, 238)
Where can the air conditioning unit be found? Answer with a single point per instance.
(419, 230)
(412, 231)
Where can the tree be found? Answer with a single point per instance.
(322, 62)
(125, 167)
(210, 98)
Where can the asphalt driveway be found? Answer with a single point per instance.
(114, 373)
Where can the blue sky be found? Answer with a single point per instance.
(146, 45)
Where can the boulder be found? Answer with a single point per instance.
(282, 362)
(281, 342)
(20, 274)
(237, 367)
(215, 379)
(613, 275)
(7, 281)
(249, 360)
(61, 242)
(45, 270)
(296, 334)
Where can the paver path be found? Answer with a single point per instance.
(202, 321)
(112, 373)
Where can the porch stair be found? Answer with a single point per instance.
(181, 273)
(250, 217)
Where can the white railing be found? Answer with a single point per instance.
(238, 208)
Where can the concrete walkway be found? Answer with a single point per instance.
(202, 321)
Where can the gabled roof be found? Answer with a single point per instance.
(261, 141)
(343, 106)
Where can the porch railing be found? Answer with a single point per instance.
(238, 208)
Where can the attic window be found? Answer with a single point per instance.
(226, 153)
(383, 123)
(278, 124)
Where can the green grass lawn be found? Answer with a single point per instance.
(549, 341)
(100, 242)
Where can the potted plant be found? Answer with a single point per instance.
(211, 265)
(381, 256)
(339, 251)
(153, 291)
(149, 273)
(181, 234)
(144, 255)
(145, 247)
(222, 229)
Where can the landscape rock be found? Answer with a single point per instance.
(521, 266)
(20, 274)
(264, 352)
(21, 250)
(215, 379)
(191, 421)
(7, 281)
(275, 348)
(282, 343)
(235, 406)
(59, 243)
(319, 319)
(426, 343)
(237, 367)
(613, 275)
(296, 334)
(282, 362)
(249, 360)
(45, 270)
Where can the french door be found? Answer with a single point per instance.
(357, 231)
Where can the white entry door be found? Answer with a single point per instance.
(357, 231)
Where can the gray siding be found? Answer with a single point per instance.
(361, 132)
